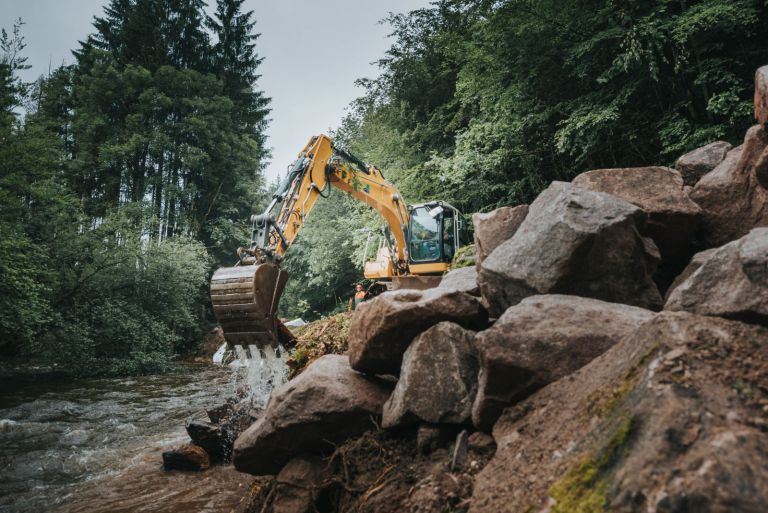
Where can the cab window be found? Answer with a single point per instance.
(425, 236)
(449, 242)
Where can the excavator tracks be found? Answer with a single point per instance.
(245, 300)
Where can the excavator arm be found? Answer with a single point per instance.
(320, 167)
(245, 297)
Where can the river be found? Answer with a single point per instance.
(95, 445)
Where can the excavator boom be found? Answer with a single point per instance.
(245, 297)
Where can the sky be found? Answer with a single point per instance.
(313, 53)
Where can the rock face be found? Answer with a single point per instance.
(672, 218)
(493, 228)
(734, 196)
(541, 340)
(697, 163)
(462, 280)
(438, 379)
(731, 281)
(657, 423)
(573, 241)
(382, 328)
(297, 484)
(326, 404)
(761, 95)
(186, 457)
(696, 261)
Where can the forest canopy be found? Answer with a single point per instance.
(131, 173)
(483, 103)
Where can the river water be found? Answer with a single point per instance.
(96, 445)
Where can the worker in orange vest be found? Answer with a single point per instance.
(359, 294)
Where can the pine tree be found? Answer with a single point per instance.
(12, 89)
(236, 63)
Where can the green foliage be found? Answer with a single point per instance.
(326, 260)
(464, 257)
(483, 103)
(24, 306)
(127, 180)
(123, 304)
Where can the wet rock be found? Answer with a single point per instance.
(734, 196)
(541, 340)
(573, 241)
(481, 443)
(218, 414)
(212, 438)
(462, 280)
(228, 421)
(761, 95)
(324, 405)
(671, 216)
(697, 163)
(297, 485)
(493, 228)
(731, 281)
(186, 457)
(656, 421)
(438, 379)
(383, 328)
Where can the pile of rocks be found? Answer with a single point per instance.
(211, 441)
(612, 338)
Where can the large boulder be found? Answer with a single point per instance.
(493, 228)
(438, 379)
(539, 341)
(573, 241)
(672, 218)
(734, 196)
(670, 419)
(326, 404)
(761, 95)
(382, 328)
(697, 163)
(462, 280)
(731, 281)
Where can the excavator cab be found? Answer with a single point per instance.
(433, 236)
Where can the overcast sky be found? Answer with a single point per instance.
(313, 53)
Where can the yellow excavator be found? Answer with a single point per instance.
(418, 244)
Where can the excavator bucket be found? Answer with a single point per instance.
(245, 300)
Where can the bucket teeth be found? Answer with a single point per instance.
(245, 301)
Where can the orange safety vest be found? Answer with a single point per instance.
(359, 297)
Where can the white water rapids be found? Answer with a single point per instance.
(95, 445)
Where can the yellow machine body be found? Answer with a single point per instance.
(245, 297)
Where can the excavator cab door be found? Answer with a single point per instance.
(433, 235)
